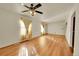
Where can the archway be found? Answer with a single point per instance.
(23, 30)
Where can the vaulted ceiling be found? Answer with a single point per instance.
(51, 10)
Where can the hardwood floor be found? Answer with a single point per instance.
(47, 45)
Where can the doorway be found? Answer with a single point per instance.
(23, 30)
(73, 31)
(26, 29)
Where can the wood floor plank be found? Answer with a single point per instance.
(46, 45)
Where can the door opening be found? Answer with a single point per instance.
(73, 32)
(22, 30)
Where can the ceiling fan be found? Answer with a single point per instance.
(33, 8)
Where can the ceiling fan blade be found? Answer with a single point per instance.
(31, 5)
(39, 12)
(25, 11)
(37, 6)
(26, 6)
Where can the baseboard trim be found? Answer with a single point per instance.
(17, 43)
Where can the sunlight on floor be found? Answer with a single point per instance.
(23, 51)
(42, 41)
(27, 51)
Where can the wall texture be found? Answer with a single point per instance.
(9, 28)
(36, 29)
(57, 27)
(76, 46)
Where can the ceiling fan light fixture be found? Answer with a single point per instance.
(32, 13)
(32, 9)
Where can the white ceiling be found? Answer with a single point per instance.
(50, 10)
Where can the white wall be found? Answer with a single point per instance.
(36, 29)
(9, 28)
(76, 46)
(57, 27)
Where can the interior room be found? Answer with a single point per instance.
(39, 29)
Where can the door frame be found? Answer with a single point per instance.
(73, 30)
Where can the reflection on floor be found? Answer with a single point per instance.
(27, 50)
(47, 45)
